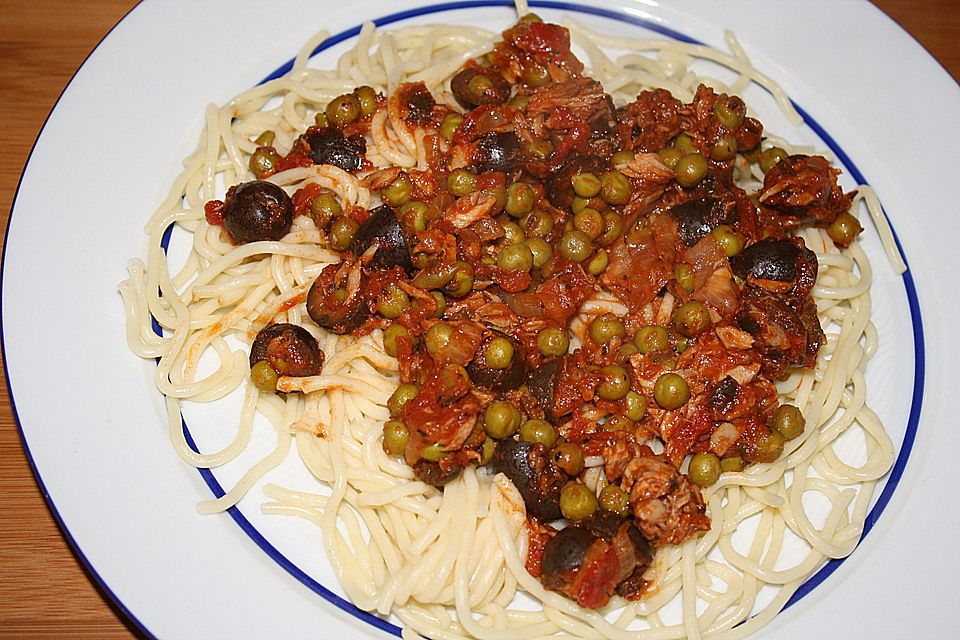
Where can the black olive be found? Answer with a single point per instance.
(331, 311)
(420, 102)
(498, 380)
(697, 218)
(496, 152)
(723, 397)
(560, 188)
(542, 384)
(563, 555)
(536, 478)
(471, 93)
(329, 146)
(435, 475)
(382, 227)
(290, 350)
(257, 210)
(769, 259)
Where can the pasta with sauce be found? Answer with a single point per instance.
(602, 340)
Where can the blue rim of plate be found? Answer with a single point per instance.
(254, 534)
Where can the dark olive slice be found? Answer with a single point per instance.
(475, 86)
(257, 210)
(769, 259)
(333, 303)
(383, 228)
(289, 349)
(330, 146)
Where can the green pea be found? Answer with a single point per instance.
(615, 188)
(844, 230)
(683, 274)
(539, 149)
(704, 469)
(529, 18)
(569, 457)
(433, 453)
(651, 339)
(616, 383)
(454, 380)
(604, 328)
(725, 148)
(788, 421)
(343, 110)
(342, 232)
(264, 377)
(441, 304)
(515, 257)
(577, 502)
(395, 437)
(520, 199)
(586, 185)
(437, 337)
(621, 158)
(367, 98)
(398, 192)
(589, 221)
(519, 102)
(320, 119)
(578, 204)
(265, 139)
(731, 240)
(390, 335)
(461, 182)
(501, 419)
(513, 233)
(730, 112)
(487, 450)
(612, 228)
(553, 341)
(399, 399)
(462, 282)
(670, 156)
(479, 85)
(499, 353)
(618, 423)
(538, 223)
(770, 157)
(598, 264)
(692, 318)
(263, 162)
(626, 350)
(671, 391)
(392, 302)
(684, 144)
(576, 245)
(414, 215)
(324, 208)
(499, 197)
(691, 169)
(449, 125)
(535, 75)
(769, 446)
(636, 406)
(541, 251)
(536, 430)
(731, 464)
(614, 499)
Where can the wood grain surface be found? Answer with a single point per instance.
(44, 591)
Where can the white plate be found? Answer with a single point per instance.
(95, 428)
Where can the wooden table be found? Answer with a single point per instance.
(44, 592)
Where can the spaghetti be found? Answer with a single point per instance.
(450, 563)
